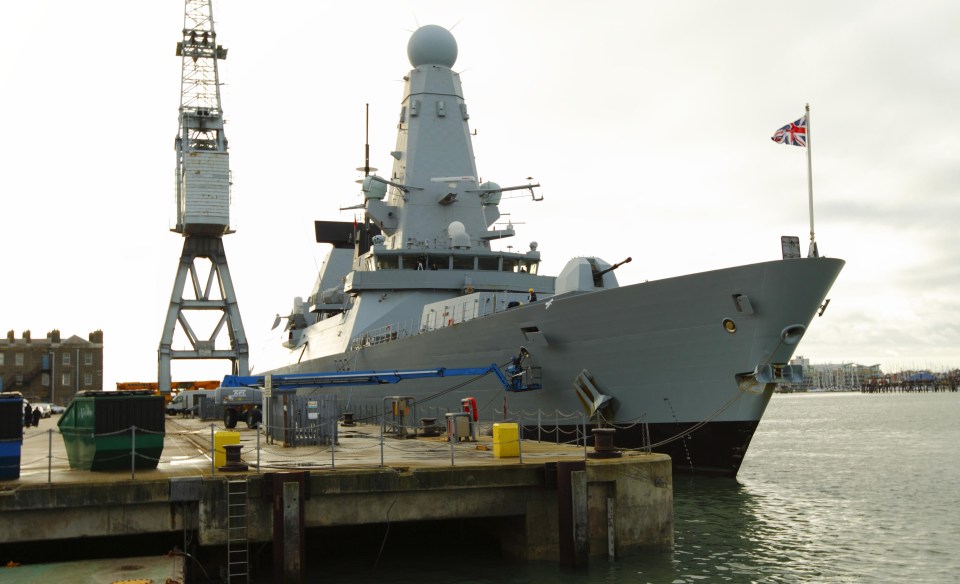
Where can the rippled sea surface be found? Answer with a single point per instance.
(836, 488)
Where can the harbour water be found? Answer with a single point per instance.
(836, 488)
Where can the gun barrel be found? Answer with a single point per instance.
(614, 267)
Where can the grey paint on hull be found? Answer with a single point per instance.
(659, 348)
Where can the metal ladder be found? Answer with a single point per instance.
(237, 558)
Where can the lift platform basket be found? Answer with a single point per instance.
(102, 430)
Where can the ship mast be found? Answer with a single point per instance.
(203, 203)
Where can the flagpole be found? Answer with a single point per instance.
(812, 252)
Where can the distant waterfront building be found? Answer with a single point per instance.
(51, 369)
(834, 376)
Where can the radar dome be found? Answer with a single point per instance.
(459, 237)
(432, 45)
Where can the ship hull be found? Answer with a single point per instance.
(659, 349)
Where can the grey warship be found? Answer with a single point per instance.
(685, 364)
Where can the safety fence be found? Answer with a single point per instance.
(367, 444)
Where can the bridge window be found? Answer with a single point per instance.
(387, 262)
(464, 262)
(488, 263)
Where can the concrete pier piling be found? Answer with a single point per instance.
(555, 505)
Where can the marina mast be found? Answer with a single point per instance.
(203, 203)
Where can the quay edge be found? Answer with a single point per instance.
(637, 489)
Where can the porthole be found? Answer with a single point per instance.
(729, 326)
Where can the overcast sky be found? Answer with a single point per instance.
(647, 123)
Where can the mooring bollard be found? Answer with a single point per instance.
(603, 444)
(234, 464)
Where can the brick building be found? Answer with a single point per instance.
(51, 369)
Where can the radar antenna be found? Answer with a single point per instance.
(203, 202)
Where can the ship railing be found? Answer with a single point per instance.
(469, 307)
(385, 334)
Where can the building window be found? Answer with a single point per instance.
(18, 359)
(66, 358)
(18, 380)
(45, 379)
(88, 379)
(88, 358)
(1, 359)
(65, 379)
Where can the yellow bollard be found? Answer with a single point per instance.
(219, 440)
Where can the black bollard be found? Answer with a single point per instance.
(234, 464)
(603, 444)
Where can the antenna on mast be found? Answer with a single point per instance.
(366, 144)
(366, 168)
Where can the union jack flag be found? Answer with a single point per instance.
(794, 134)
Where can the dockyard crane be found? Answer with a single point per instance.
(203, 202)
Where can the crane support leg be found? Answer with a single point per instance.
(207, 297)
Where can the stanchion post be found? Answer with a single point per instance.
(49, 455)
(584, 419)
(133, 453)
(520, 439)
(213, 453)
(333, 443)
(258, 448)
(381, 442)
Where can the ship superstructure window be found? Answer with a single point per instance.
(520, 265)
(488, 263)
(464, 262)
(387, 262)
(415, 262)
(391, 260)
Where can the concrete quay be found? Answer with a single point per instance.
(550, 503)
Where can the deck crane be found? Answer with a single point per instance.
(203, 203)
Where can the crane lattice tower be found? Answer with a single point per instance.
(203, 203)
